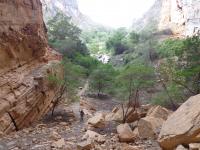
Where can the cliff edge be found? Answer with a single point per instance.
(25, 64)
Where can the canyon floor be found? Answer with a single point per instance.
(65, 130)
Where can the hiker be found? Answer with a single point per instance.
(81, 115)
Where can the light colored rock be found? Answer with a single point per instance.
(136, 132)
(180, 16)
(125, 133)
(98, 121)
(59, 144)
(181, 147)
(87, 105)
(149, 127)
(86, 145)
(55, 136)
(194, 146)
(129, 147)
(182, 127)
(93, 136)
(25, 63)
(159, 112)
(117, 115)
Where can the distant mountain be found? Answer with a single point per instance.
(69, 8)
(150, 19)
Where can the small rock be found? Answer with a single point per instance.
(41, 126)
(55, 136)
(63, 123)
(86, 145)
(59, 144)
(194, 146)
(1, 134)
(93, 136)
(98, 121)
(181, 147)
(59, 118)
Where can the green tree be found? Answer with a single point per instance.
(102, 78)
(180, 68)
(117, 41)
(65, 36)
(131, 80)
(71, 79)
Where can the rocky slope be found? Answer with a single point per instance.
(69, 8)
(25, 63)
(182, 17)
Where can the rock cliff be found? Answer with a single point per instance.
(182, 17)
(25, 62)
(69, 8)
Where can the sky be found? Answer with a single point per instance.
(114, 13)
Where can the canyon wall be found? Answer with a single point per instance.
(181, 16)
(25, 64)
(69, 8)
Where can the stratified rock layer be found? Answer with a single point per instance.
(183, 126)
(25, 92)
(181, 16)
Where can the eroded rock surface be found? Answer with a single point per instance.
(183, 126)
(25, 63)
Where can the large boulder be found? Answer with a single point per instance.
(183, 126)
(125, 133)
(98, 121)
(149, 127)
(159, 112)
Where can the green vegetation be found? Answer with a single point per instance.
(65, 36)
(95, 40)
(138, 60)
(179, 71)
(101, 80)
(116, 42)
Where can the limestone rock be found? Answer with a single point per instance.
(194, 146)
(149, 127)
(86, 145)
(59, 144)
(159, 112)
(125, 133)
(181, 147)
(55, 136)
(93, 136)
(97, 121)
(117, 115)
(182, 127)
(87, 105)
(129, 147)
(26, 61)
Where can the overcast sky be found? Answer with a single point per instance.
(114, 13)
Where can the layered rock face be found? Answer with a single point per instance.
(25, 64)
(183, 126)
(182, 16)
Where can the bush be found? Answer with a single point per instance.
(170, 48)
(102, 78)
